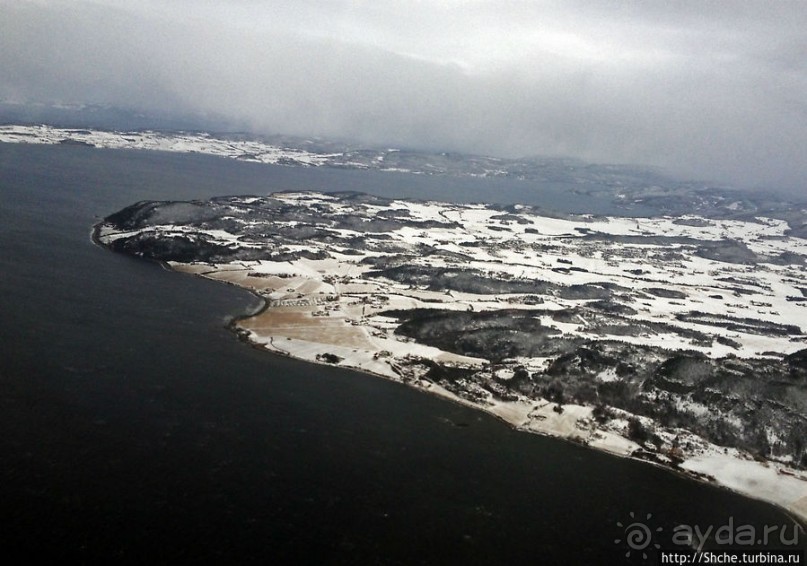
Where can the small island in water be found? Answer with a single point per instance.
(678, 340)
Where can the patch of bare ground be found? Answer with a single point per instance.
(243, 279)
(300, 324)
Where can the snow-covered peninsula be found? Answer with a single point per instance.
(676, 340)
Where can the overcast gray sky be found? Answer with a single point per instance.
(714, 90)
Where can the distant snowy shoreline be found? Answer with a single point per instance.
(299, 152)
(176, 142)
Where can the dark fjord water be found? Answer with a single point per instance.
(136, 429)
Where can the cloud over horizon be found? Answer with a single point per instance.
(714, 90)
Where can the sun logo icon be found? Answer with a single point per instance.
(638, 535)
